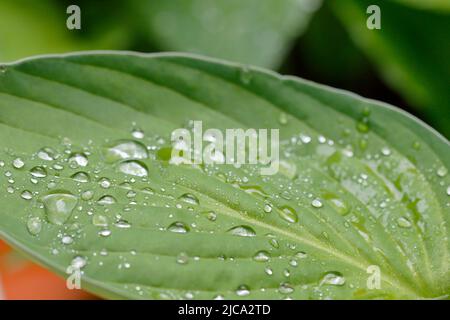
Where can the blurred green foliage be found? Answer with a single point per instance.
(410, 52)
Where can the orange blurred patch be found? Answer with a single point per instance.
(24, 280)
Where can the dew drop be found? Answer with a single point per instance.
(178, 227)
(340, 206)
(105, 183)
(243, 291)
(442, 172)
(242, 231)
(78, 160)
(267, 208)
(106, 200)
(100, 221)
(87, 195)
(59, 206)
(137, 133)
(105, 233)
(38, 172)
(268, 271)
(182, 258)
(448, 190)
(26, 195)
(285, 288)
(18, 163)
(245, 75)
(301, 255)
(81, 177)
(125, 150)
(403, 222)
(288, 214)
(262, 256)
(133, 168)
(316, 203)
(386, 151)
(211, 215)
(34, 226)
(333, 278)
(67, 240)
(47, 154)
(189, 198)
(122, 224)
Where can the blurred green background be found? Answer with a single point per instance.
(406, 63)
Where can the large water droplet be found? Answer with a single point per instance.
(286, 288)
(134, 168)
(242, 231)
(403, 222)
(316, 203)
(78, 160)
(125, 150)
(262, 256)
(34, 226)
(47, 154)
(59, 206)
(18, 163)
(288, 214)
(106, 200)
(178, 227)
(442, 172)
(81, 177)
(26, 195)
(243, 291)
(190, 198)
(38, 172)
(333, 278)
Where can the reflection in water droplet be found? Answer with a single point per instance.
(448, 190)
(386, 151)
(189, 198)
(81, 177)
(105, 200)
(47, 154)
(301, 255)
(242, 231)
(267, 208)
(333, 278)
(262, 256)
(26, 195)
(18, 163)
(403, 222)
(38, 172)
(243, 291)
(288, 214)
(339, 205)
(134, 168)
(268, 271)
(178, 227)
(105, 233)
(125, 150)
(59, 206)
(34, 226)
(78, 160)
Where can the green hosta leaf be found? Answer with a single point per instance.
(410, 51)
(252, 31)
(85, 182)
